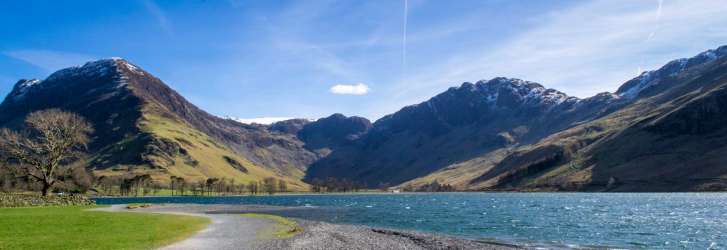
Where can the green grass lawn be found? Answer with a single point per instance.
(74, 228)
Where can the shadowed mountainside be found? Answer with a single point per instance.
(513, 134)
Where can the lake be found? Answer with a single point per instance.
(620, 220)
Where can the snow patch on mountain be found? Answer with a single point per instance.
(529, 92)
(93, 69)
(23, 87)
(647, 79)
(90, 70)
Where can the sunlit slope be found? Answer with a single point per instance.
(213, 159)
(142, 126)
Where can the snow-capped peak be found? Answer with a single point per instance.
(529, 92)
(23, 87)
(94, 69)
(110, 67)
(98, 68)
(646, 79)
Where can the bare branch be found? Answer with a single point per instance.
(50, 138)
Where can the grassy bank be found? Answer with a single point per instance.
(75, 228)
(283, 227)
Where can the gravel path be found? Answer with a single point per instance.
(229, 230)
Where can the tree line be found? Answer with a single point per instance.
(47, 154)
(434, 186)
(142, 185)
(332, 184)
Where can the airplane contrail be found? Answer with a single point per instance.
(658, 19)
(652, 34)
(406, 13)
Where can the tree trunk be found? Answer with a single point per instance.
(46, 188)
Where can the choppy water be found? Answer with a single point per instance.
(621, 220)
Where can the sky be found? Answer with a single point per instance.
(268, 60)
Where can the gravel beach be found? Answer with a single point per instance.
(229, 230)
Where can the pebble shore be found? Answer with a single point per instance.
(229, 230)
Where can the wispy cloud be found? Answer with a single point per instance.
(580, 58)
(159, 15)
(318, 57)
(49, 60)
(350, 89)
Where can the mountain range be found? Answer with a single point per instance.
(665, 130)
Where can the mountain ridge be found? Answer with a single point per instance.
(496, 134)
(558, 113)
(145, 126)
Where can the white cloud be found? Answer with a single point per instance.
(49, 60)
(350, 89)
(261, 120)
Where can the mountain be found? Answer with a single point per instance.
(332, 132)
(513, 134)
(459, 124)
(661, 131)
(143, 126)
(672, 138)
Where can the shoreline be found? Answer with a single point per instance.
(403, 193)
(230, 230)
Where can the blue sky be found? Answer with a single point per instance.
(254, 59)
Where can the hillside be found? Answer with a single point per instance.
(513, 134)
(143, 126)
(457, 125)
(673, 138)
(619, 151)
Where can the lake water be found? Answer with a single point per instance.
(620, 220)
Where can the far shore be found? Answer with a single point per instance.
(258, 195)
(378, 193)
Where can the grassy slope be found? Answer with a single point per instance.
(74, 228)
(209, 153)
(459, 175)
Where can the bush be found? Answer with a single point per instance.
(30, 200)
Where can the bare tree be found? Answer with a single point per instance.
(181, 185)
(50, 140)
(172, 183)
(106, 184)
(211, 184)
(253, 187)
(81, 177)
(269, 185)
(282, 186)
